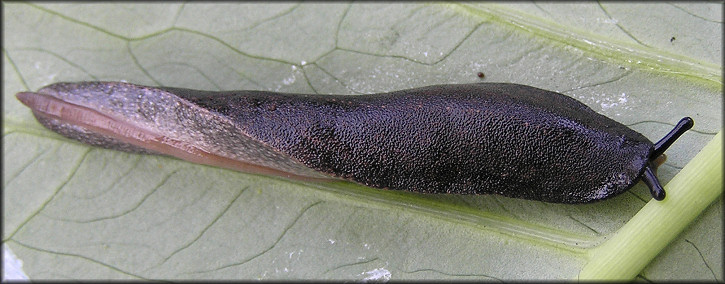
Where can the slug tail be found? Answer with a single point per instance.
(81, 111)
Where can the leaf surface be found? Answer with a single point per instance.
(76, 212)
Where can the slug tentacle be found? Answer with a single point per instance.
(484, 138)
(649, 178)
(657, 157)
(682, 126)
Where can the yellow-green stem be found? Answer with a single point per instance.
(634, 245)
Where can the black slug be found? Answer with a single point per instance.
(484, 138)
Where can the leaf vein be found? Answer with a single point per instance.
(134, 207)
(60, 187)
(25, 167)
(81, 257)
(703, 259)
(15, 67)
(452, 274)
(620, 26)
(284, 232)
(583, 224)
(203, 231)
(351, 264)
(695, 15)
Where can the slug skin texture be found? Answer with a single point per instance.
(148, 120)
(484, 138)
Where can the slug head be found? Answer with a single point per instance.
(648, 176)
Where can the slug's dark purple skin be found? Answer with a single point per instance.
(484, 138)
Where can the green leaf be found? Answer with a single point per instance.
(76, 212)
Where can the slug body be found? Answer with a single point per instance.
(485, 138)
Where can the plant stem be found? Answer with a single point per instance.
(639, 241)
